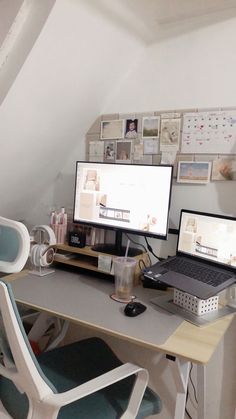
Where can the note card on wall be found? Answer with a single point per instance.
(209, 132)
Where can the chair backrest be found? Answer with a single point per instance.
(14, 245)
(27, 374)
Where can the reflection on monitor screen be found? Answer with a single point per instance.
(126, 197)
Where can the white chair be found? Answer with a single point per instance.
(14, 245)
(83, 380)
(14, 252)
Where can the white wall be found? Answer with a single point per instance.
(192, 70)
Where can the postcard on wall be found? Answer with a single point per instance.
(95, 158)
(150, 146)
(186, 157)
(170, 134)
(170, 115)
(138, 151)
(123, 151)
(193, 172)
(131, 128)
(113, 129)
(150, 127)
(168, 157)
(96, 150)
(224, 169)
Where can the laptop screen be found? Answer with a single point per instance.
(208, 236)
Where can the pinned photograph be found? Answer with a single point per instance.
(150, 128)
(170, 133)
(224, 169)
(193, 172)
(113, 129)
(123, 151)
(109, 151)
(131, 129)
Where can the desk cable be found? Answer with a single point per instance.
(188, 393)
(150, 249)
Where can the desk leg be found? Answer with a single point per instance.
(201, 391)
(180, 371)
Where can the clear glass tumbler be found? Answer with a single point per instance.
(124, 277)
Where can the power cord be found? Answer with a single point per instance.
(188, 393)
(137, 243)
(186, 410)
(191, 381)
(142, 265)
(145, 250)
(150, 249)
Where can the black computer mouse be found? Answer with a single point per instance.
(134, 309)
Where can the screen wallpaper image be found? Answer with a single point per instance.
(209, 238)
(131, 197)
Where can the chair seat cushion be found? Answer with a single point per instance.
(71, 365)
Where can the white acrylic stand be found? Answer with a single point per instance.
(40, 270)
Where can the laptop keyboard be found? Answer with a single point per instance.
(201, 273)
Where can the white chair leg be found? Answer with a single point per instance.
(180, 372)
(62, 333)
(41, 324)
(42, 411)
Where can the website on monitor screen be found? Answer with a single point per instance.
(131, 197)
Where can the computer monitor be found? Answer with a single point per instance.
(131, 198)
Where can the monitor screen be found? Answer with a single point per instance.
(129, 197)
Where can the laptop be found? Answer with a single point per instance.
(205, 261)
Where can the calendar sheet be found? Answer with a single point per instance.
(209, 132)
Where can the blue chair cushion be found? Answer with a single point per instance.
(71, 365)
(9, 243)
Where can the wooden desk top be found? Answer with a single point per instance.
(193, 343)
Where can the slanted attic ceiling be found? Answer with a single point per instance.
(8, 12)
(152, 20)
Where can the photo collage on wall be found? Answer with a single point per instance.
(200, 145)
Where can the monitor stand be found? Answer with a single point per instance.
(117, 248)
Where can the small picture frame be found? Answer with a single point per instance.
(123, 151)
(224, 168)
(193, 172)
(151, 127)
(131, 128)
(112, 130)
(109, 151)
(170, 133)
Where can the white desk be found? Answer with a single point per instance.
(85, 300)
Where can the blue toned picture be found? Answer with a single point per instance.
(193, 172)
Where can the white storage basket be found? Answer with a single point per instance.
(194, 304)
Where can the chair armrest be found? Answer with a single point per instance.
(10, 373)
(105, 380)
